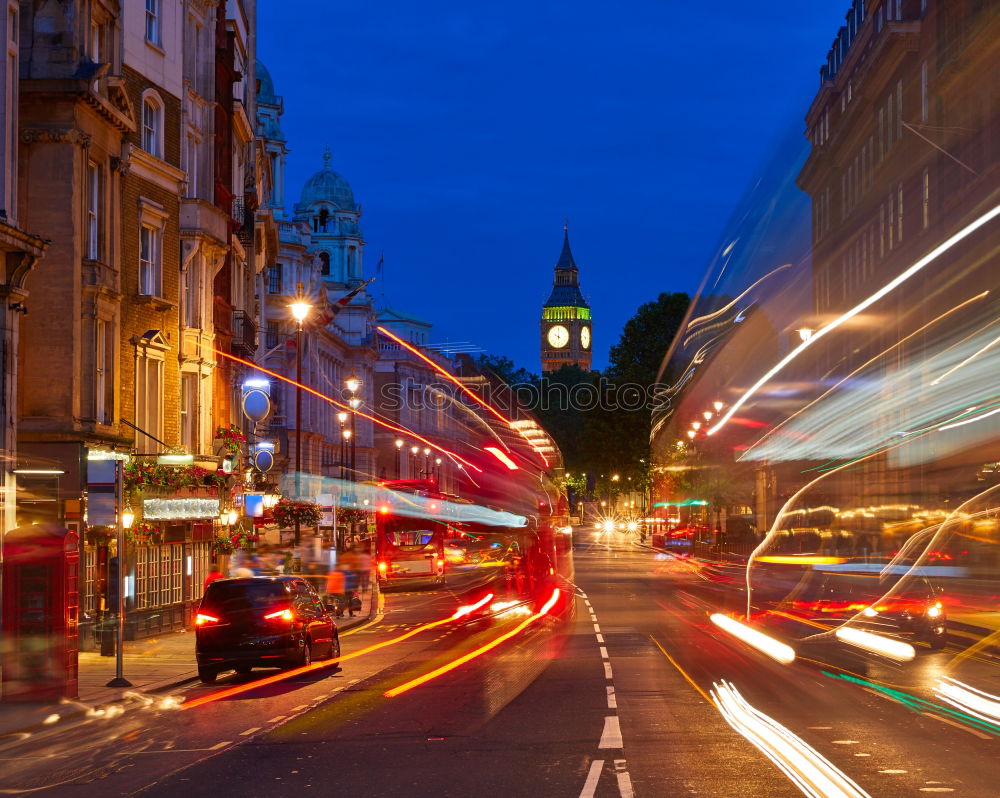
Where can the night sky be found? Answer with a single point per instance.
(470, 130)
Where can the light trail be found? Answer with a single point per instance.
(877, 644)
(464, 388)
(343, 406)
(809, 770)
(984, 706)
(850, 314)
(754, 638)
(424, 678)
(461, 612)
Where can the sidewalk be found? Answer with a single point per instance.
(154, 665)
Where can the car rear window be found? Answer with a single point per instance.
(244, 595)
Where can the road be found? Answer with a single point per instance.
(609, 698)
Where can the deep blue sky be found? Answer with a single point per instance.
(469, 130)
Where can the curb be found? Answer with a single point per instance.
(165, 685)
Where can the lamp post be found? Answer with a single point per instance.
(353, 384)
(427, 463)
(414, 451)
(300, 309)
(399, 448)
(125, 519)
(342, 418)
(437, 462)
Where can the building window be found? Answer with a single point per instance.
(193, 155)
(150, 254)
(881, 130)
(892, 221)
(100, 368)
(324, 260)
(899, 110)
(189, 412)
(881, 230)
(152, 126)
(148, 401)
(93, 210)
(927, 198)
(271, 336)
(274, 279)
(153, 21)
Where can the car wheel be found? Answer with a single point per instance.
(306, 656)
(208, 675)
(243, 669)
(335, 648)
(938, 641)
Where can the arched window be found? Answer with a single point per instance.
(324, 259)
(152, 124)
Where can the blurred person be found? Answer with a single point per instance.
(213, 574)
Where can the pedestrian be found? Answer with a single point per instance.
(364, 560)
(213, 574)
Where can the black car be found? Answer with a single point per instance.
(913, 609)
(263, 622)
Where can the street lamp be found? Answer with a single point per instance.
(300, 310)
(342, 418)
(399, 448)
(427, 463)
(718, 406)
(353, 384)
(437, 462)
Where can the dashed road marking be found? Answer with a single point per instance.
(607, 669)
(611, 737)
(612, 699)
(600, 638)
(597, 628)
(250, 731)
(604, 652)
(593, 776)
(300, 706)
(893, 771)
(217, 746)
(276, 718)
(844, 742)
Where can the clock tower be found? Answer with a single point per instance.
(566, 333)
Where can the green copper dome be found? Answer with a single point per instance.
(327, 186)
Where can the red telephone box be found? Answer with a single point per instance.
(41, 575)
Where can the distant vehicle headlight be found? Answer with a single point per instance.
(870, 612)
(632, 526)
(934, 610)
(608, 526)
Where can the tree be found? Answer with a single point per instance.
(506, 369)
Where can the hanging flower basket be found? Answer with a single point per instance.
(230, 438)
(156, 480)
(222, 544)
(242, 539)
(287, 512)
(143, 534)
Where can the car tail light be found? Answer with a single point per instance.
(382, 566)
(440, 563)
(280, 615)
(202, 619)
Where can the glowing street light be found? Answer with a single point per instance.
(718, 406)
(399, 448)
(696, 425)
(300, 309)
(707, 415)
(691, 433)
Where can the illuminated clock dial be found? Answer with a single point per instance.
(585, 337)
(558, 336)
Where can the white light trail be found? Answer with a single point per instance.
(850, 314)
(877, 644)
(809, 770)
(765, 644)
(984, 706)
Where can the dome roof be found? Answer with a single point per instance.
(327, 186)
(265, 93)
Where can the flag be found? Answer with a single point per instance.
(345, 300)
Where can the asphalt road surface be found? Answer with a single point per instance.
(610, 697)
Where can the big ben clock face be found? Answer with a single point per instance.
(558, 336)
(585, 337)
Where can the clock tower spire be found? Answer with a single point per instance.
(565, 325)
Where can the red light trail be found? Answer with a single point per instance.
(395, 691)
(478, 400)
(361, 413)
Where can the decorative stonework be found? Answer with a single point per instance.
(55, 135)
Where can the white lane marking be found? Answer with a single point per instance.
(600, 638)
(217, 746)
(862, 754)
(593, 618)
(604, 651)
(300, 706)
(612, 698)
(607, 670)
(624, 784)
(936, 789)
(820, 728)
(597, 628)
(249, 731)
(893, 771)
(593, 776)
(845, 742)
(611, 737)
(276, 719)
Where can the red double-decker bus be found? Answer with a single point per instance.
(409, 543)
